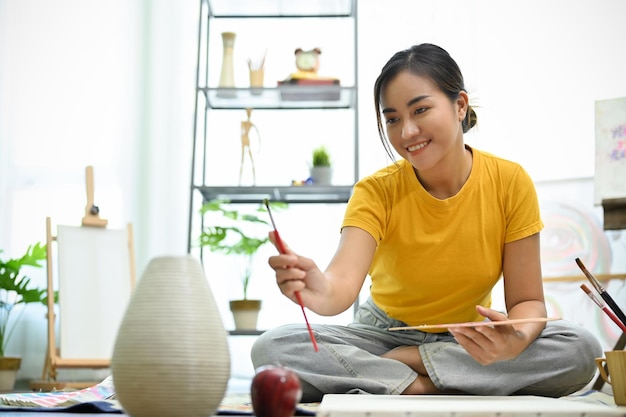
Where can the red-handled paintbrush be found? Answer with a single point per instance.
(282, 249)
(602, 291)
(603, 307)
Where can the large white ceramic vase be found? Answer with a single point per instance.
(171, 354)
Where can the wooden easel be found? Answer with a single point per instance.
(54, 358)
(92, 212)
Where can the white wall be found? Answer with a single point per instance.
(533, 68)
(68, 98)
(90, 83)
(111, 84)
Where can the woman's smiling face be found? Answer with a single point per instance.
(422, 124)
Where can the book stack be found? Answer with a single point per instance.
(309, 89)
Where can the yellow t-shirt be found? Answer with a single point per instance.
(437, 259)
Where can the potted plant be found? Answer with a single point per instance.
(321, 170)
(15, 289)
(225, 234)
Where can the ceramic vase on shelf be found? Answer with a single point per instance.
(227, 74)
(171, 355)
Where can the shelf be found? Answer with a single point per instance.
(287, 194)
(335, 23)
(246, 332)
(303, 97)
(283, 8)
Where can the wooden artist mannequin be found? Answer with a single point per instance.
(246, 127)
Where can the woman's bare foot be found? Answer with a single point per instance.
(410, 356)
(420, 386)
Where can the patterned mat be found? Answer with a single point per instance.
(101, 399)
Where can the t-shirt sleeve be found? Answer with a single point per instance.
(366, 208)
(522, 208)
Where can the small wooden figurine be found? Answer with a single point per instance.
(246, 127)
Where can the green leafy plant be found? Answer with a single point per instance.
(15, 289)
(321, 157)
(229, 237)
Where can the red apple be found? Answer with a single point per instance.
(275, 392)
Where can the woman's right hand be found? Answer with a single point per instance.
(333, 291)
(297, 273)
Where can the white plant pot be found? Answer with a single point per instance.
(321, 175)
(245, 313)
(8, 371)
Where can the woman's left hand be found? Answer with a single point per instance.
(489, 344)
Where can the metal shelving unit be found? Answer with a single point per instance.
(210, 98)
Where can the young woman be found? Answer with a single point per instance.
(435, 231)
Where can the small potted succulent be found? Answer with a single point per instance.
(321, 170)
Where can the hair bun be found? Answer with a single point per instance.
(470, 119)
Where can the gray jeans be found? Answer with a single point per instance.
(559, 362)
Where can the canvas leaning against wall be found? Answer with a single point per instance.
(610, 167)
(574, 228)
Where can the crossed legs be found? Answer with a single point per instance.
(410, 356)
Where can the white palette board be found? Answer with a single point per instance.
(94, 289)
(354, 405)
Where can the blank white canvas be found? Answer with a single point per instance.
(94, 289)
(348, 405)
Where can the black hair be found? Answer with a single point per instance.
(429, 61)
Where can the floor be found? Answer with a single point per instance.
(237, 385)
(46, 413)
